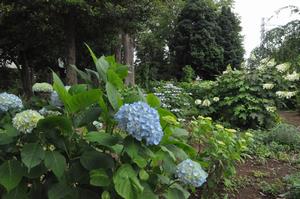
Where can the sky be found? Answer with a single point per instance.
(251, 13)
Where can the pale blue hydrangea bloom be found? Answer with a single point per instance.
(10, 101)
(26, 121)
(141, 121)
(191, 173)
(45, 112)
(55, 100)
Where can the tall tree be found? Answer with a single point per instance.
(230, 38)
(195, 39)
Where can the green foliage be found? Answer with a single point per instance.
(175, 98)
(285, 134)
(207, 39)
(66, 157)
(188, 74)
(220, 149)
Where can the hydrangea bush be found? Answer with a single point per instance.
(175, 98)
(133, 155)
(219, 151)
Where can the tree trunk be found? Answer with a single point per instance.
(71, 76)
(128, 44)
(26, 76)
(118, 49)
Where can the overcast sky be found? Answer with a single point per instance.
(251, 13)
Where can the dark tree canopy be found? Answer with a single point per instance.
(195, 41)
(230, 38)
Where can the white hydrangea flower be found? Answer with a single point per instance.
(286, 94)
(283, 67)
(26, 121)
(292, 77)
(216, 99)
(42, 87)
(206, 103)
(98, 125)
(198, 101)
(271, 109)
(268, 86)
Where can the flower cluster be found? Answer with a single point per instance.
(98, 125)
(26, 121)
(45, 112)
(9, 101)
(271, 109)
(216, 99)
(283, 67)
(191, 173)
(198, 102)
(286, 94)
(141, 121)
(206, 103)
(292, 77)
(42, 87)
(268, 86)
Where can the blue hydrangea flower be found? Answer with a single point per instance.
(191, 173)
(141, 121)
(54, 100)
(9, 101)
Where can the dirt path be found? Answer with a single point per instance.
(290, 117)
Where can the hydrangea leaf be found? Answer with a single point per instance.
(56, 162)
(113, 95)
(126, 183)
(60, 122)
(94, 160)
(153, 101)
(11, 173)
(102, 138)
(32, 154)
(99, 177)
(61, 190)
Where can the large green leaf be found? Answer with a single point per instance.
(85, 76)
(32, 155)
(114, 79)
(60, 122)
(61, 90)
(56, 162)
(102, 138)
(20, 192)
(99, 177)
(94, 160)
(84, 99)
(153, 101)
(113, 96)
(11, 173)
(60, 190)
(87, 116)
(122, 71)
(126, 183)
(135, 152)
(78, 88)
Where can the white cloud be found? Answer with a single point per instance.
(251, 13)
